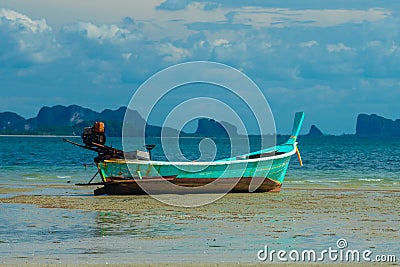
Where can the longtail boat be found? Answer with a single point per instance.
(136, 173)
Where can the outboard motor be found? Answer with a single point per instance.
(94, 134)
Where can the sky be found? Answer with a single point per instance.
(331, 59)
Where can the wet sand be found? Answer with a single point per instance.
(15, 190)
(230, 230)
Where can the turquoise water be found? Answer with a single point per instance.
(347, 161)
(328, 161)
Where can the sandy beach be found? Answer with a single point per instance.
(141, 230)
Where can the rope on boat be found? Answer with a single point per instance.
(299, 156)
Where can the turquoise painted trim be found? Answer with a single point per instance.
(298, 121)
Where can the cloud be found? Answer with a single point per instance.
(173, 54)
(260, 14)
(292, 4)
(337, 47)
(101, 33)
(282, 17)
(22, 23)
(309, 43)
(221, 42)
(25, 41)
(173, 5)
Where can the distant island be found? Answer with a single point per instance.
(369, 126)
(377, 126)
(314, 131)
(70, 120)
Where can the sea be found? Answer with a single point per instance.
(231, 230)
(328, 161)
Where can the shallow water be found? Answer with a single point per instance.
(126, 229)
(44, 219)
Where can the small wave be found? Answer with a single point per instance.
(327, 181)
(370, 180)
(63, 177)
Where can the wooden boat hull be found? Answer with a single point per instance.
(135, 187)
